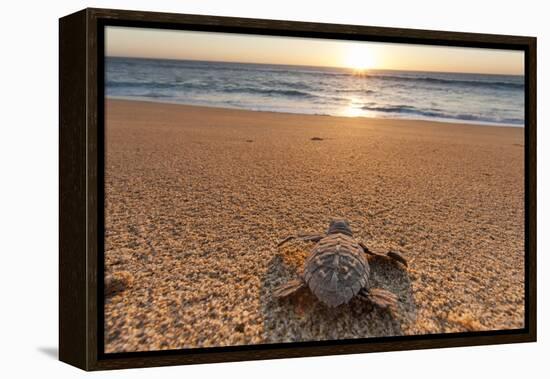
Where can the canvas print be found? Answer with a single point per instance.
(267, 189)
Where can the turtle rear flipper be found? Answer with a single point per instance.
(288, 288)
(380, 297)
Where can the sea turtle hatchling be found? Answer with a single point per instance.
(337, 269)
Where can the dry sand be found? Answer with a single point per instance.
(197, 198)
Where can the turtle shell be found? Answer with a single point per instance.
(337, 269)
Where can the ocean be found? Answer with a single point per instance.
(450, 97)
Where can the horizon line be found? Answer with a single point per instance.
(301, 65)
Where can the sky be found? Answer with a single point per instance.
(358, 55)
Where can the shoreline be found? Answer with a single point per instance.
(420, 119)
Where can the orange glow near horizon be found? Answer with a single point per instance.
(355, 55)
(360, 58)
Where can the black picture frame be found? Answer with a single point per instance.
(81, 103)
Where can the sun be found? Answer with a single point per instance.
(360, 58)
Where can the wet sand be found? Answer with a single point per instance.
(197, 199)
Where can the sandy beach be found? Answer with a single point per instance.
(197, 199)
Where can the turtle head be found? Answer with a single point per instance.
(339, 226)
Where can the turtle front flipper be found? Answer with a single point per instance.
(307, 238)
(392, 255)
(397, 256)
(288, 288)
(380, 297)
